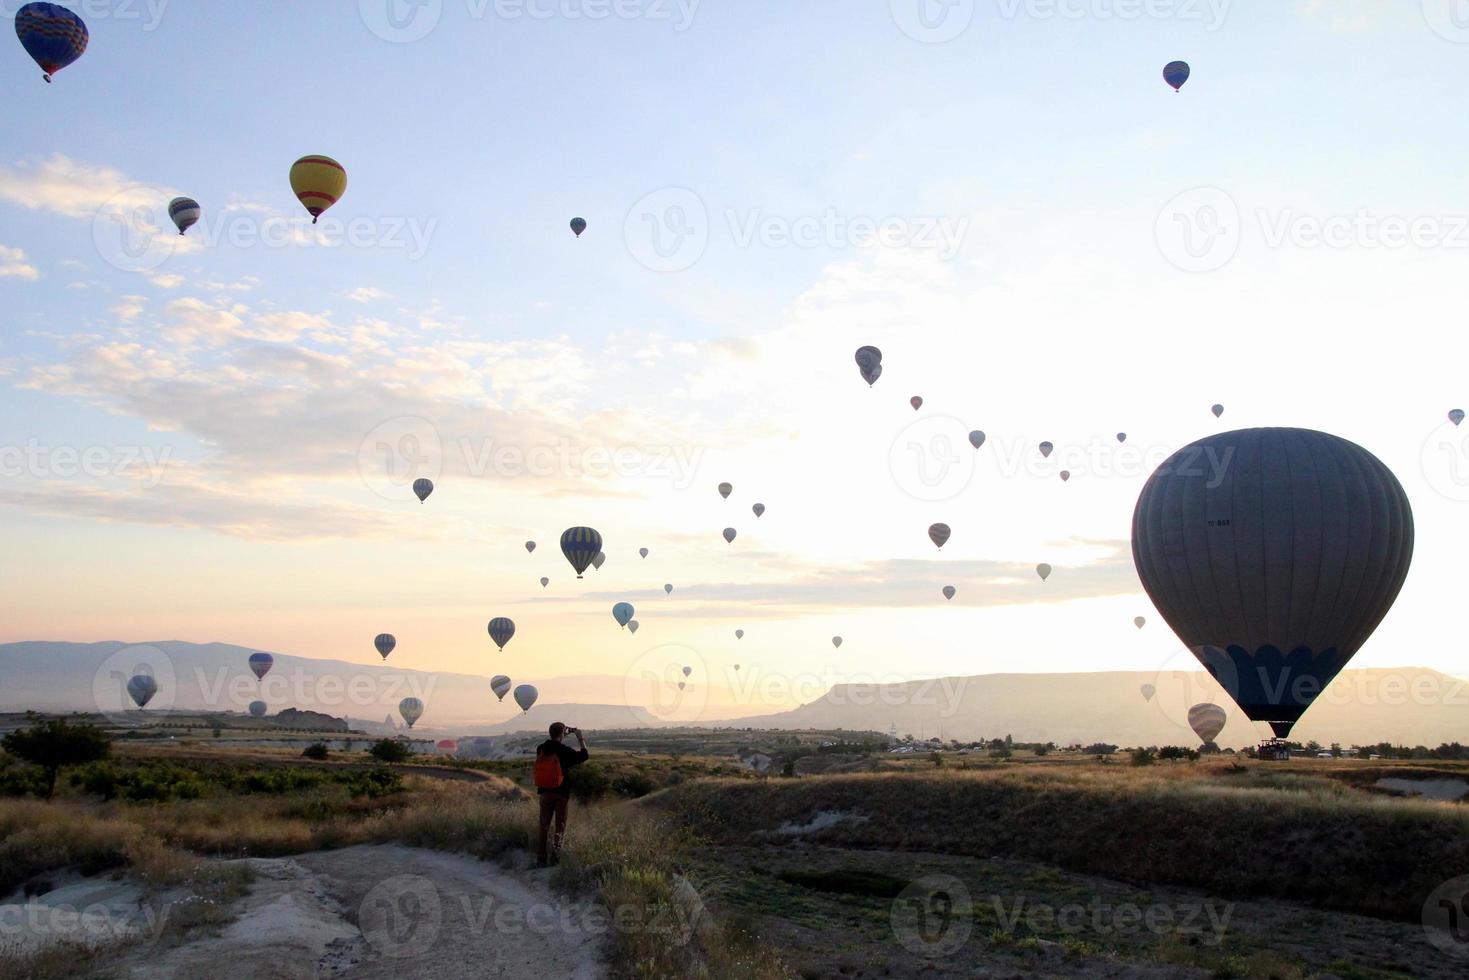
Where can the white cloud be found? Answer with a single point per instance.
(13, 265)
(366, 294)
(74, 189)
(129, 308)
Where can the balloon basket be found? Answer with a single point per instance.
(1273, 750)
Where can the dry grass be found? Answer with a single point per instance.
(1233, 833)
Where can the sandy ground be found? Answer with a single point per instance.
(387, 911)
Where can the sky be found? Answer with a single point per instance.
(212, 438)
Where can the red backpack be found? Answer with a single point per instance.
(548, 773)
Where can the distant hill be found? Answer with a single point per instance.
(1404, 706)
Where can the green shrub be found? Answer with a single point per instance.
(316, 750)
(389, 750)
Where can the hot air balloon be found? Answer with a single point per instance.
(632, 625)
(948, 592)
(643, 552)
(976, 438)
(1207, 721)
(1065, 475)
(1046, 448)
(1175, 73)
(530, 547)
(580, 545)
(501, 629)
(725, 489)
(500, 684)
(411, 709)
(1148, 691)
(1456, 415)
(1218, 410)
(729, 535)
(578, 225)
(623, 613)
(545, 581)
(53, 36)
(737, 666)
(687, 671)
(668, 588)
(422, 488)
(525, 696)
(836, 641)
(598, 560)
(739, 634)
(141, 688)
(446, 745)
(938, 534)
(257, 709)
(759, 510)
(260, 664)
(1139, 622)
(869, 363)
(1122, 437)
(184, 212)
(916, 401)
(318, 182)
(1304, 539)
(385, 642)
(1043, 570)
(682, 685)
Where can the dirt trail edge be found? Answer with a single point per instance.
(390, 911)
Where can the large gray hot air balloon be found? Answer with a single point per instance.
(500, 684)
(411, 709)
(1043, 570)
(869, 363)
(623, 613)
(938, 534)
(1207, 721)
(580, 545)
(385, 643)
(501, 630)
(1273, 554)
(525, 696)
(141, 688)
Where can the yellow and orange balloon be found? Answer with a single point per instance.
(319, 182)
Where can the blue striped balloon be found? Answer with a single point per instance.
(580, 545)
(1175, 73)
(260, 664)
(183, 212)
(501, 630)
(53, 36)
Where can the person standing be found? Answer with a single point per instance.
(554, 762)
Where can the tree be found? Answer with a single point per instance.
(56, 743)
(316, 750)
(389, 750)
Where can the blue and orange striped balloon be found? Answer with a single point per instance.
(318, 182)
(580, 545)
(53, 36)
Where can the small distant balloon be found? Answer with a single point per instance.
(949, 592)
(411, 709)
(632, 625)
(759, 510)
(688, 671)
(578, 225)
(1046, 448)
(938, 534)
(623, 613)
(729, 535)
(260, 664)
(385, 642)
(739, 634)
(1065, 475)
(916, 401)
(500, 684)
(668, 588)
(598, 560)
(1456, 416)
(545, 581)
(1207, 721)
(1175, 73)
(141, 688)
(184, 212)
(422, 488)
(525, 696)
(1218, 410)
(1148, 691)
(725, 489)
(257, 709)
(501, 630)
(643, 552)
(1139, 622)
(682, 685)
(1122, 437)
(530, 547)
(1043, 570)
(976, 438)
(869, 363)
(836, 641)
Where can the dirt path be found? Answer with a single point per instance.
(388, 911)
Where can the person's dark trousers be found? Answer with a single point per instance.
(553, 806)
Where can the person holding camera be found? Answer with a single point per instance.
(554, 762)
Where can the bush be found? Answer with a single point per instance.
(589, 781)
(633, 785)
(316, 750)
(1142, 757)
(389, 750)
